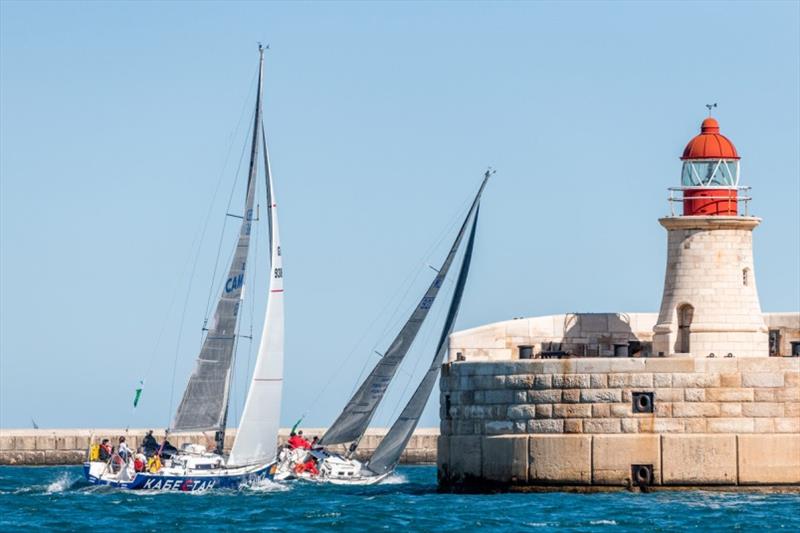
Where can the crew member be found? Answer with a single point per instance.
(139, 460)
(149, 444)
(123, 451)
(295, 440)
(105, 450)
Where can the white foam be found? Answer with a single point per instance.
(59, 485)
(603, 522)
(394, 479)
(266, 485)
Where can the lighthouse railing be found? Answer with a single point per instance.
(677, 196)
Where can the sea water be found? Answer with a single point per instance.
(50, 498)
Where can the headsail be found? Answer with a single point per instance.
(257, 436)
(204, 406)
(357, 414)
(388, 452)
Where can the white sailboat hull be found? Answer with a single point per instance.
(186, 474)
(333, 468)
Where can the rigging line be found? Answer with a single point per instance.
(401, 311)
(252, 298)
(232, 137)
(421, 347)
(412, 276)
(201, 232)
(205, 226)
(395, 319)
(224, 225)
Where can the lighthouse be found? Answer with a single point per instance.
(710, 305)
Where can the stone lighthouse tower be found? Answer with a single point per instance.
(710, 302)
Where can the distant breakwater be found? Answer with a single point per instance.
(28, 447)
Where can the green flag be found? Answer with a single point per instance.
(294, 427)
(138, 394)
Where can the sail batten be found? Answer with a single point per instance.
(357, 414)
(204, 405)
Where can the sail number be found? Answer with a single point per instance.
(278, 273)
(234, 283)
(426, 302)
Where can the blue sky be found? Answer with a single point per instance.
(119, 120)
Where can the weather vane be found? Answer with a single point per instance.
(710, 107)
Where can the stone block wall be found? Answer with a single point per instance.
(70, 446)
(572, 421)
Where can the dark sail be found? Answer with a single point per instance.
(204, 405)
(388, 452)
(357, 414)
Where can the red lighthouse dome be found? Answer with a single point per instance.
(710, 144)
(710, 177)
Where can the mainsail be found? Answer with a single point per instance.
(387, 454)
(357, 414)
(204, 406)
(256, 438)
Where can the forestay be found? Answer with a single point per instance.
(387, 454)
(357, 414)
(204, 405)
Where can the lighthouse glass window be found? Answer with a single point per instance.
(710, 173)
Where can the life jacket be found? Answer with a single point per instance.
(104, 452)
(310, 466)
(94, 452)
(138, 465)
(296, 441)
(154, 464)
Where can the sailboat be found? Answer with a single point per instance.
(352, 423)
(204, 405)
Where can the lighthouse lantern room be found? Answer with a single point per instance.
(710, 177)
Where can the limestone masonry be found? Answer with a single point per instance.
(573, 421)
(706, 392)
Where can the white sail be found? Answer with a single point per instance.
(257, 436)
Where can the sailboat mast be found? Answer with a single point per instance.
(204, 406)
(256, 438)
(219, 436)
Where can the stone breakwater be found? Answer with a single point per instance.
(594, 422)
(69, 446)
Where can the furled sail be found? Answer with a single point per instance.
(204, 406)
(357, 414)
(257, 436)
(387, 454)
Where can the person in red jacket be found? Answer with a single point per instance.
(303, 441)
(309, 466)
(296, 440)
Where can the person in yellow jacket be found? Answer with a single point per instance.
(154, 464)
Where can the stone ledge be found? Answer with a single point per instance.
(595, 462)
(70, 446)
